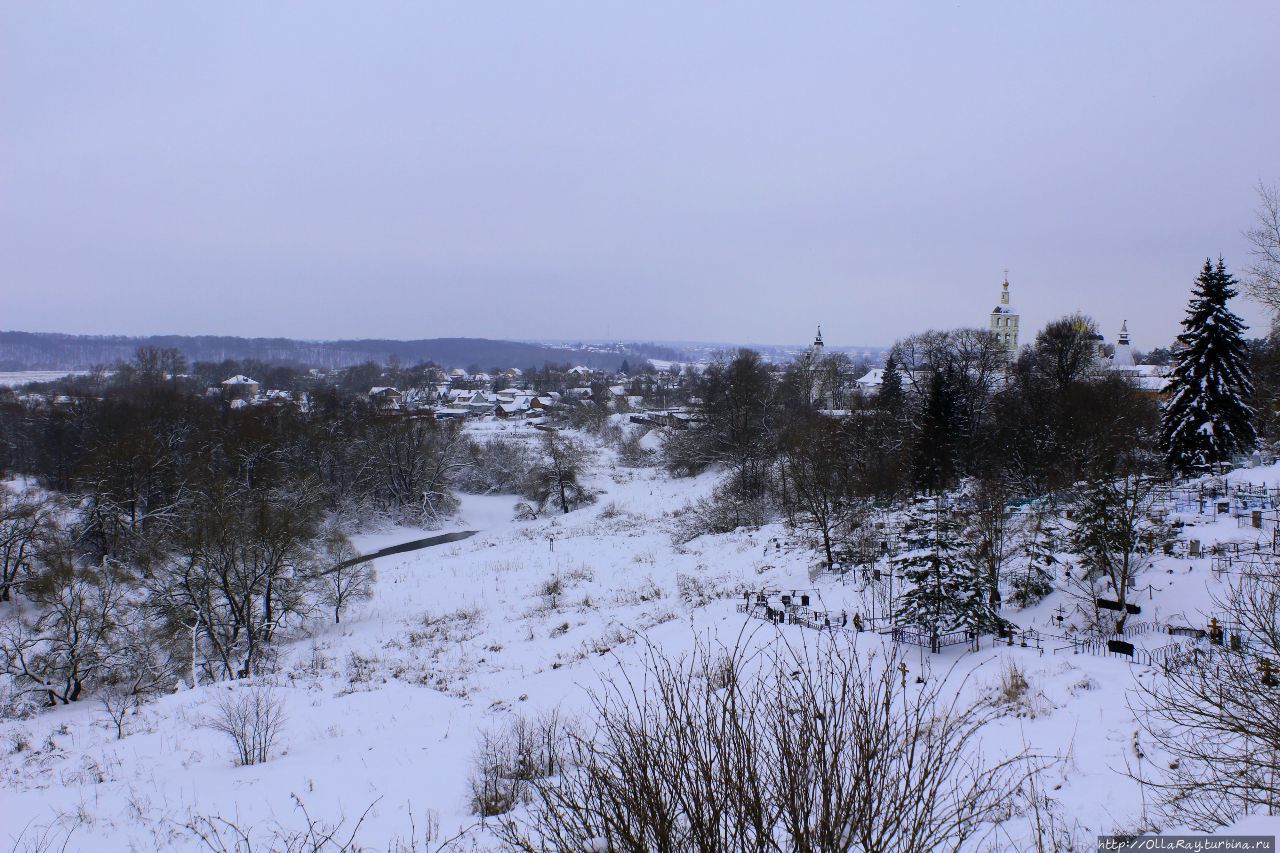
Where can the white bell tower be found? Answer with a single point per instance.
(1004, 320)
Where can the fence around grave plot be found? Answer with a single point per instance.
(1166, 658)
(1250, 564)
(1026, 638)
(934, 642)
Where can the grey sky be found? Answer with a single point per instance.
(713, 171)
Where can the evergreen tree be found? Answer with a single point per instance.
(1206, 416)
(889, 396)
(935, 463)
(1035, 580)
(932, 566)
(987, 547)
(1112, 537)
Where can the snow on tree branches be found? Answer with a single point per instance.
(1206, 416)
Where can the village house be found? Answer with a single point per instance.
(385, 398)
(240, 387)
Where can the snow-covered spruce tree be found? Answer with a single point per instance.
(1033, 581)
(1206, 416)
(934, 598)
(988, 543)
(890, 397)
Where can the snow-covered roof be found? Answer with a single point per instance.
(239, 379)
(873, 378)
(1146, 377)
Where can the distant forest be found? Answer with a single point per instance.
(50, 351)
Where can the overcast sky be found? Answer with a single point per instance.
(702, 171)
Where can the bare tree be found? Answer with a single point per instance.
(989, 535)
(819, 481)
(1066, 350)
(1263, 280)
(555, 477)
(348, 579)
(414, 460)
(118, 702)
(1216, 716)
(73, 639)
(22, 523)
(243, 565)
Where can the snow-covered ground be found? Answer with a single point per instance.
(15, 378)
(385, 709)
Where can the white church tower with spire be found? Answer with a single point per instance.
(1004, 320)
(1123, 356)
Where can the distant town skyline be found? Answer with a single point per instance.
(648, 172)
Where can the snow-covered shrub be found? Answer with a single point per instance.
(604, 643)
(19, 740)
(117, 702)
(646, 590)
(683, 453)
(1013, 683)
(315, 663)
(361, 668)
(1029, 587)
(459, 626)
(252, 716)
(1015, 694)
(498, 466)
(1084, 685)
(508, 759)
(578, 574)
(696, 591)
(723, 512)
(828, 745)
(632, 451)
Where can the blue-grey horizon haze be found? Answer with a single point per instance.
(645, 171)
